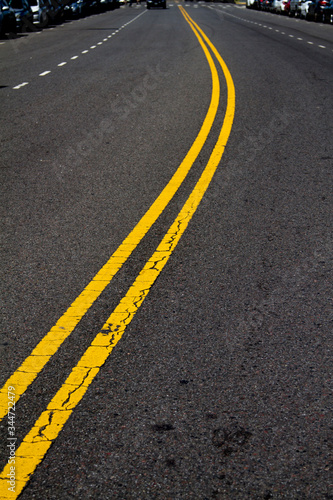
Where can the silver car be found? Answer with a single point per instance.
(40, 10)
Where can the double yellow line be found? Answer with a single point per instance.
(46, 429)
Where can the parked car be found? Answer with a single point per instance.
(73, 10)
(156, 3)
(316, 9)
(279, 6)
(266, 5)
(23, 14)
(93, 6)
(293, 8)
(260, 2)
(56, 10)
(328, 13)
(287, 8)
(108, 4)
(252, 4)
(7, 19)
(40, 10)
(303, 9)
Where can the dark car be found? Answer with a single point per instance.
(73, 10)
(7, 19)
(106, 5)
(23, 14)
(56, 10)
(93, 6)
(328, 13)
(156, 3)
(267, 5)
(316, 9)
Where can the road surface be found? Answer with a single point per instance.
(167, 257)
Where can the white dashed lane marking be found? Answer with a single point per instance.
(73, 58)
(268, 27)
(21, 85)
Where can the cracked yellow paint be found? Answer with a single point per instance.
(50, 344)
(37, 442)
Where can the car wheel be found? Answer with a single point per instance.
(44, 21)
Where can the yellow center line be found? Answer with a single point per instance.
(37, 442)
(49, 345)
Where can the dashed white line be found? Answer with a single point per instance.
(21, 85)
(75, 57)
(270, 28)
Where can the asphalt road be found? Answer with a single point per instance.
(220, 386)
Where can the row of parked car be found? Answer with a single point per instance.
(29, 15)
(312, 10)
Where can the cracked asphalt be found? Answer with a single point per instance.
(220, 384)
